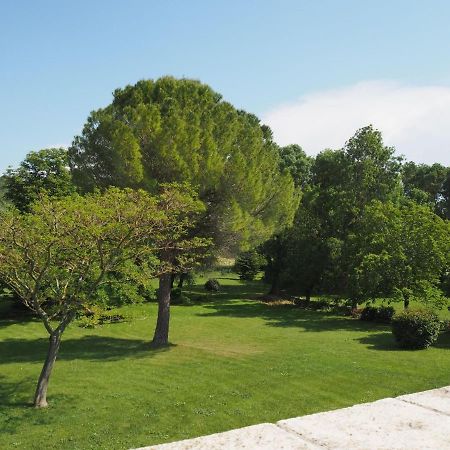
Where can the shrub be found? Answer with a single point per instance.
(369, 313)
(321, 304)
(416, 329)
(382, 314)
(96, 316)
(248, 264)
(177, 297)
(212, 285)
(385, 314)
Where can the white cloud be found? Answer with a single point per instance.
(413, 119)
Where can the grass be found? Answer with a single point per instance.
(234, 362)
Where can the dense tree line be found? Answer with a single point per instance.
(369, 225)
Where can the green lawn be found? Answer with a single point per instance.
(234, 362)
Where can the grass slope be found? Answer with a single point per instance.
(234, 362)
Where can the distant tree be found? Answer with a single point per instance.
(248, 265)
(275, 252)
(3, 201)
(307, 255)
(399, 252)
(46, 170)
(172, 130)
(56, 257)
(295, 160)
(444, 204)
(346, 180)
(426, 184)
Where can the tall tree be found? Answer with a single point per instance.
(181, 130)
(46, 170)
(313, 253)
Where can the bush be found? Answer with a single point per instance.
(382, 314)
(177, 297)
(315, 305)
(416, 329)
(369, 314)
(385, 314)
(248, 264)
(96, 316)
(212, 285)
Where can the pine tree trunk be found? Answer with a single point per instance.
(40, 397)
(161, 336)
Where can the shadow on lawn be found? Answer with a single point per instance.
(93, 348)
(250, 290)
(386, 342)
(290, 316)
(14, 394)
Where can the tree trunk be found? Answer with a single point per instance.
(161, 336)
(308, 295)
(405, 302)
(172, 279)
(40, 397)
(183, 277)
(275, 287)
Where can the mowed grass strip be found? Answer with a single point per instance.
(234, 362)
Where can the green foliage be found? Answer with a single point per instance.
(57, 257)
(416, 329)
(314, 255)
(399, 251)
(299, 165)
(381, 314)
(426, 185)
(42, 171)
(172, 130)
(97, 316)
(248, 265)
(212, 285)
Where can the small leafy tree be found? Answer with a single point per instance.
(400, 252)
(56, 257)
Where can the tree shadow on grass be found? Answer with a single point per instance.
(386, 342)
(247, 290)
(15, 394)
(92, 348)
(290, 316)
(380, 341)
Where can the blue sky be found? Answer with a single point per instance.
(302, 66)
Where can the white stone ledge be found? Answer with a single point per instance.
(266, 436)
